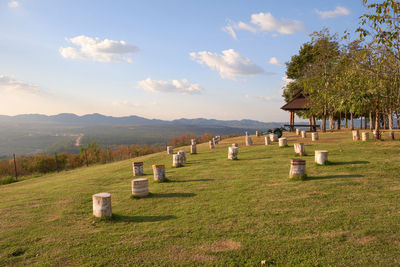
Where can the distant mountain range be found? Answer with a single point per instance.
(66, 119)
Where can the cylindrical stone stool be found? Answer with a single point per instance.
(303, 134)
(235, 145)
(159, 173)
(391, 135)
(297, 168)
(140, 187)
(375, 134)
(177, 160)
(314, 136)
(193, 141)
(102, 205)
(170, 150)
(299, 149)
(273, 137)
(211, 144)
(298, 132)
(321, 156)
(183, 154)
(257, 133)
(232, 152)
(282, 141)
(248, 140)
(365, 136)
(137, 168)
(267, 140)
(193, 149)
(356, 135)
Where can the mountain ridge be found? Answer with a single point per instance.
(100, 119)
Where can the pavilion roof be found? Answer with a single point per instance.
(298, 102)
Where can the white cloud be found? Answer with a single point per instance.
(339, 11)
(98, 50)
(229, 29)
(286, 81)
(13, 4)
(265, 22)
(274, 61)
(244, 26)
(174, 86)
(9, 85)
(229, 65)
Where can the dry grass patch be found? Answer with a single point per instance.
(364, 240)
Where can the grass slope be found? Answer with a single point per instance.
(215, 211)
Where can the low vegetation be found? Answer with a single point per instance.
(216, 211)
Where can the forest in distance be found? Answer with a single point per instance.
(49, 138)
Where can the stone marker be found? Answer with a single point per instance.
(273, 137)
(211, 144)
(282, 141)
(215, 140)
(314, 136)
(247, 133)
(140, 187)
(193, 141)
(235, 145)
(297, 168)
(248, 140)
(137, 168)
(303, 134)
(232, 152)
(257, 133)
(365, 136)
(183, 154)
(193, 149)
(159, 173)
(298, 132)
(170, 150)
(267, 140)
(299, 149)
(177, 160)
(321, 156)
(102, 205)
(356, 135)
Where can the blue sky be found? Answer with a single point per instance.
(157, 59)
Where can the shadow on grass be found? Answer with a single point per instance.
(255, 159)
(194, 180)
(167, 195)
(199, 161)
(125, 218)
(333, 176)
(348, 162)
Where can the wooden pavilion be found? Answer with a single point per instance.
(298, 102)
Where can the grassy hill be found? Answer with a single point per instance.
(215, 211)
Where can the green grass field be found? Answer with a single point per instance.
(215, 211)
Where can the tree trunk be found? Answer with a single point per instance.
(351, 121)
(370, 121)
(398, 120)
(365, 122)
(323, 123)
(331, 122)
(360, 122)
(338, 124)
(378, 134)
(384, 122)
(390, 118)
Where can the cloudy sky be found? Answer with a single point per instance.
(157, 59)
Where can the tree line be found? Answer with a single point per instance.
(344, 79)
(90, 154)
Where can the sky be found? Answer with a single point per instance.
(164, 59)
